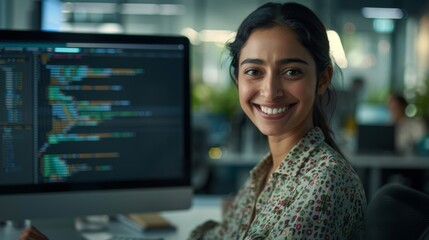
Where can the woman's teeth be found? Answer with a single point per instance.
(272, 111)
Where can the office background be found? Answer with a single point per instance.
(388, 50)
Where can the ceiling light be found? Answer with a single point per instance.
(153, 9)
(389, 13)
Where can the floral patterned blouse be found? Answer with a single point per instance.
(314, 194)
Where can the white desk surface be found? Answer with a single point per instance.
(203, 208)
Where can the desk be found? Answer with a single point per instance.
(376, 163)
(203, 208)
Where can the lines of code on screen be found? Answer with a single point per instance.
(89, 115)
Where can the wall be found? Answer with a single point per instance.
(17, 14)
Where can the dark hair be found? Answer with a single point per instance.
(310, 32)
(397, 97)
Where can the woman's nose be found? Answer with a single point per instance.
(271, 87)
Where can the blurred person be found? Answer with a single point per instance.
(408, 133)
(344, 113)
(408, 130)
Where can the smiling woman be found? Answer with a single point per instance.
(303, 188)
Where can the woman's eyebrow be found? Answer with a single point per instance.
(280, 62)
(291, 60)
(252, 61)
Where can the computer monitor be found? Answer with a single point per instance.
(93, 124)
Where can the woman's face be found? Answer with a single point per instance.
(277, 82)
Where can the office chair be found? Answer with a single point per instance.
(398, 212)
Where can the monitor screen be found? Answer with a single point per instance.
(93, 124)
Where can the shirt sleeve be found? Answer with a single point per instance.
(330, 206)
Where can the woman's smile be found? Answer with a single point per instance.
(274, 112)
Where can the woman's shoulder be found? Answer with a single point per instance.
(333, 175)
(313, 158)
(331, 165)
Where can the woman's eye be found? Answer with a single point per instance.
(291, 72)
(251, 72)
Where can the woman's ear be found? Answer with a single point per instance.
(324, 80)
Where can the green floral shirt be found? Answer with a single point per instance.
(314, 194)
